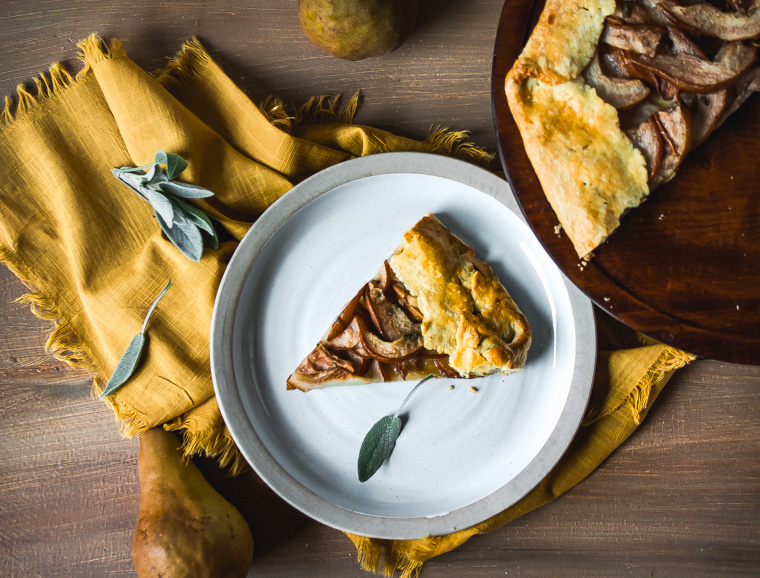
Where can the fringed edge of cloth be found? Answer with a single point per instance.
(216, 443)
(63, 343)
(188, 63)
(94, 50)
(48, 85)
(669, 360)
(637, 399)
(193, 58)
(455, 143)
(386, 560)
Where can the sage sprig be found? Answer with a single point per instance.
(379, 442)
(128, 362)
(181, 221)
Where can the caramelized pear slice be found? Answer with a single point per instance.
(710, 21)
(708, 111)
(692, 73)
(633, 37)
(619, 92)
(675, 126)
(646, 137)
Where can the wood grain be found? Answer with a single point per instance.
(681, 497)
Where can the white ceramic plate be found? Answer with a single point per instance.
(462, 456)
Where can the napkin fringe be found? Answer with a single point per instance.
(63, 342)
(377, 560)
(669, 360)
(192, 60)
(216, 443)
(187, 64)
(637, 400)
(275, 112)
(48, 85)
(449, 142)
(326, 109)
(94, 50)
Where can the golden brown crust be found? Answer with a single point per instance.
(434, 308)
(589, 170)
(563, 41)
(467, 312)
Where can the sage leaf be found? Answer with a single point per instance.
(175, 164)
(199, 218)
(126, 366)
(184, 235)
(377, 446)
(160, 204)
(184, 190)
(379, 442)
(181, 222)
(155, 176)
(134, 170)
(132, 179)
(131, 357)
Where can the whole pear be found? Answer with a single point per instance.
(357, 29)
(185, 528)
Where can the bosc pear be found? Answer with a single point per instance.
(185, 528)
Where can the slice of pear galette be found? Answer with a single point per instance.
(433, 308)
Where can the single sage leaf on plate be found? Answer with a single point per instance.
(175, 164)
(378, 445)
(379, 442)
(131, 357)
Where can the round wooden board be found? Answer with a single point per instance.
(684, 267)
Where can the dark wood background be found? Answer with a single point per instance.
(681, 497)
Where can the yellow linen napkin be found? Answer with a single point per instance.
(94, 257)
(628, 380)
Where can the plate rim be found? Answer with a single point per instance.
(243, 432)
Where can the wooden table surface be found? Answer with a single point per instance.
(681, 497)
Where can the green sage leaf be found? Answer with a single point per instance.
(155, 176)
(377, 446)
(181, 222)
(381, 439)
(159, 202)
(126, 366)
(175, 164)
(184, 235)
(199, 218)
(184, 190)
(131, 357)
(133, 180)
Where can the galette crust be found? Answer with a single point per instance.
(467, 312)
(588, 168)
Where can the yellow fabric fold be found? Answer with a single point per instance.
(94, 257)
(626, 384)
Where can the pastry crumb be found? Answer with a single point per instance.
(557, 229)
(737, 308)
(606, 299)
(451, 387)
(473, 389)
